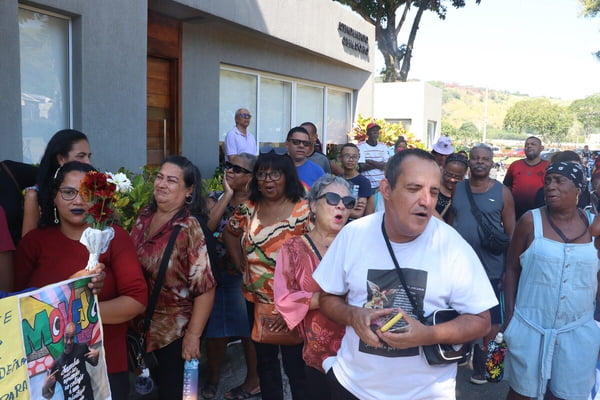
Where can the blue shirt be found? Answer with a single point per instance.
(308, 173)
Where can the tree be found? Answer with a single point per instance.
(587, 111)
(540, 116)
(382, 14)
(591, 8)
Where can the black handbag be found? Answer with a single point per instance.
(435, 354)
(492, 239)
(138, 358)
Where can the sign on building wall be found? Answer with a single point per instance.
(353, 39)
(51, 344)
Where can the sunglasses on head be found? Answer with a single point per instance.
(298, 142)
(333, 199)
(236, 168)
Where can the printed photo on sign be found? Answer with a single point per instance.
(62, 341)
(384, 290)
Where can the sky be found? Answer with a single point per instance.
(535, 47)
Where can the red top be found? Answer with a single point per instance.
(525, 180)
(6, 243)
(46, 256)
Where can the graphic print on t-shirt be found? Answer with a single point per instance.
(384, 290)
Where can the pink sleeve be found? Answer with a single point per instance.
(291, 301)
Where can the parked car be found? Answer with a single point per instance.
(520, 152)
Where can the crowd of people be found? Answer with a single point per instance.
(332, 250)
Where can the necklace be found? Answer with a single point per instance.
(561, 234)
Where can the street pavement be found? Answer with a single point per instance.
(234, 372)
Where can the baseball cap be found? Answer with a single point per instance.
(372, 125)
(443, 146)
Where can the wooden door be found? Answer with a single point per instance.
(160, 97)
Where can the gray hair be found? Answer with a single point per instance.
(317, 188)
(249, 159)
(481, 146)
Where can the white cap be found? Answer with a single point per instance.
(444, 146)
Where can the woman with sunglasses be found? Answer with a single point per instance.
(274, 212)
(296, 292)
(229, 317)
(53, 253)
(454, 171)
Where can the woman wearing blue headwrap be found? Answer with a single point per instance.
(552, 338)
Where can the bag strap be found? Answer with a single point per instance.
(160, 277)
(418, 311)
(11, 175)
(474, 209)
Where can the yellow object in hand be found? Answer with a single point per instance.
(391, 322)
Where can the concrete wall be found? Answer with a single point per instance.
(311, 24)
(417, 101)
(109, 78)
(208, 45)
(11, 142)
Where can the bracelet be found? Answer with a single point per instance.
(34, 187)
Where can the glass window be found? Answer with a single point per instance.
(309, 106)
(338, 116)
(431, 126)
(45, 79)
(275, 110)
(238, 90)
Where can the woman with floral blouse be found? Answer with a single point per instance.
(187, 294)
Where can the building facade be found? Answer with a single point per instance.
(146, 79)
(417, 105)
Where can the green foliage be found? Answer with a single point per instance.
(129, 204)
(591, 8)
(548, 120)
(587, 112)
(449, 130)
(216, 182)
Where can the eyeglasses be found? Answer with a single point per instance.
(298, 142)
(333, 199)
(236, 168)
(273, 175)
(453, 176)
(68, 193)
(244, 115)
(350, 157)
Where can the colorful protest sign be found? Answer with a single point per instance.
(51, 344)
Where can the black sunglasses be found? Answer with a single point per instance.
(298, 142)
(333, 199)
(236, 168)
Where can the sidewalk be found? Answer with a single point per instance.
(234, 370)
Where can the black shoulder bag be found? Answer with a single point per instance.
(435, 354)
(492, 239)
(138, 358)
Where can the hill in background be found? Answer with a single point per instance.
(462, 104)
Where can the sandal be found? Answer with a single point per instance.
(239, 393)
(209, 391)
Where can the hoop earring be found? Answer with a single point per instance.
(56, 221)
(188, 200)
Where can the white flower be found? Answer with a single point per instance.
(123, 183)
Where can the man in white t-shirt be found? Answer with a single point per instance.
(362, 287)
(373, 156)
(239, 140)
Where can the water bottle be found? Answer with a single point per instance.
(190, 379)
(494, 364)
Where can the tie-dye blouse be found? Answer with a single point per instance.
(261, 246)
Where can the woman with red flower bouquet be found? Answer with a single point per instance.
(187, 293)
(53, 252)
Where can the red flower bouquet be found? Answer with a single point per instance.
(100, 190)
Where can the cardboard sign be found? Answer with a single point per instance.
(51, 344)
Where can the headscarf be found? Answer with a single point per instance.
(571, 170)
